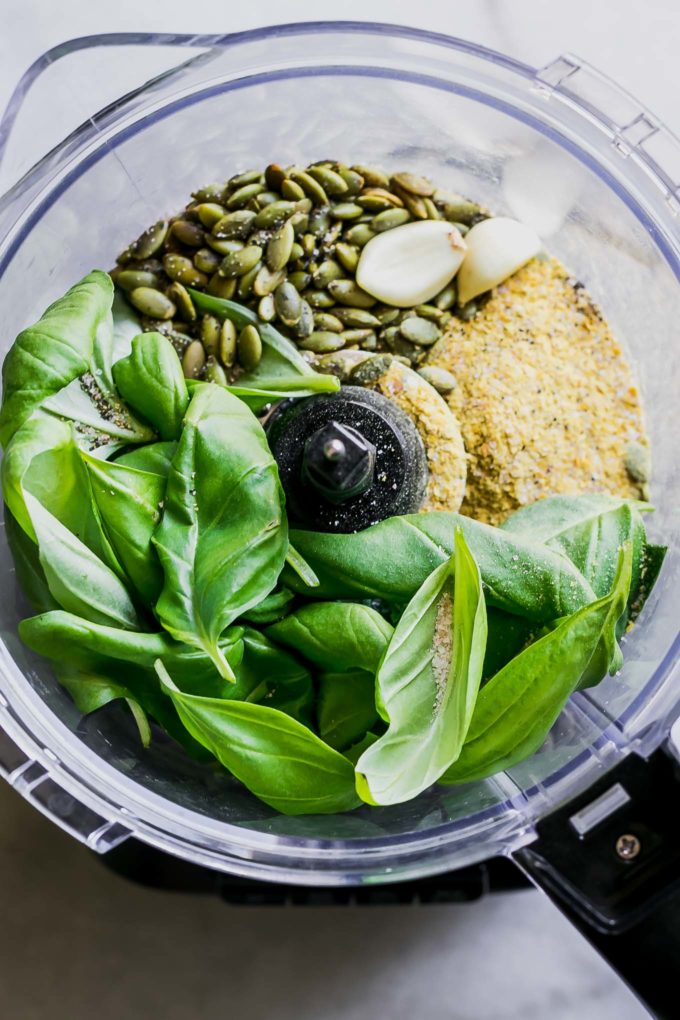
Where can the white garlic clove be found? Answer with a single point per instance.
(496, 248)
(408, 265)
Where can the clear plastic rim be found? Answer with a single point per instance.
(146, 814)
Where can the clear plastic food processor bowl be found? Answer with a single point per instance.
(562, 148)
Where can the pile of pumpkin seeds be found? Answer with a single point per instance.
(286, 243)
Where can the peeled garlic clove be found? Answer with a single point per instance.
(496, 248)
(408, 265)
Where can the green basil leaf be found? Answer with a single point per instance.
(274, 677)
(151, 380)
(428, 682)
(337, 636)
(91, 692)
(79, 581)
(392, 559)
(29, 572)
(507, 636)
(517, 708)
(223, 537)
(46, 357)
(346, 707)
(153, 457)
(272, 608)
(280, 761)
(129, 502)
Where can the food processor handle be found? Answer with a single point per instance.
(610, 861)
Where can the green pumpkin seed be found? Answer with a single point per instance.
(292, 191)
(377, 199)
(638, 462)
(249, 347)
(462, 228)
(224, 247)
(246, 282)
(330, 180)
(415, 205)
(359, 235)
(328, 323)
(288, 303)
(227, 343)
(439, 378)
(304, 327)
(468, 311)
(182, 269)
(243, 195)
(300, 222)
(296, 252)
(347, 255)
(319, 220)
(274, 176)
(235, 225)
(346, 211)
(240, 262)
(188, 233)
(352, 179)
(311, 187)
(151, 241)
(221, 288)
(461, 210)
(210, 193)
(210, 331)
(401, 347)
(308, 244)
(374, 176)
(180, 296)
(214, 373)
(446, 298)
(266, 309)
(347, 292)
(327, 271)
(130, 279)
(267, 281)
(431, 209)
(193, 360)
(390, 219)
(414, 184)
(210, 213)
(430, 312)
(386, 314)
(370, 344)
(320, 299)
(357, 318)
(280, 247)
(206, 260)
(300, 279)
(266, 198)
(356, 336)
(420, 331)
(152, 302)
(368, 371)
(247, 177)
(322, 342)
(274, 214)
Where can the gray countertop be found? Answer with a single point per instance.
(76, 941)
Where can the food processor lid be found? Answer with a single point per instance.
(566, 101)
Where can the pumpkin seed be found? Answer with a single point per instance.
(182, 269)
(461, 210)
(265, 309)
(446, 297)
(319, 220)
(439, 378)
(188, 233)
(370, 343)
(150, 241)
(420, 331)
(413, 183)
(347, 255)
(373, 176)
(292, 191)
(130, 279)
(267, 281)
(214, 372)
(299, 222)
(210, 213)
(296, 252)
(240, 262)
(320, 299)
(274, 176)
(244, 287)
(181, 298)
(322, 342)
(327, 271)
(638, 462)
(210, 193)
(152, 302)
(341, 363)
(431, 209)
(237, 224)
(356, 336)
(386, 314)
(330, 180)
(468, 311)
(462, 228)
(266, 198)
(280, 247)
(430, 312)
(401, 347)
(193, 360)
(247, 177)
(357, 318)
(371, 369)
(304, 327)
(415, 205)
(377, 199)
(206, 260)
(352, 179)
(288, 303)
(328, 323)
(346, 211)
(221, 288)
(223, 247)
(249, 346)
(227, 343)
(210, 331)
(311, 187)
(359, 235)
(243, 195)
(299, 279)
(274, 213)
(390, 219)
(348, 293)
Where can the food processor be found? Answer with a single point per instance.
(592, 818)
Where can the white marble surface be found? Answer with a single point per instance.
(76, 942)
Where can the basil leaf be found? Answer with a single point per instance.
(153, 457)
(275, 677)
(47, 356)
(91, 692)
(272, 608)
(223, 537)
(517, 708)
(29, 572)
(428, 683)
(130, 502)
(337, 636)
(390, 561)
(281, 761)
(346, 707)
(507, 636)
(151, 380)
(79, 581)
